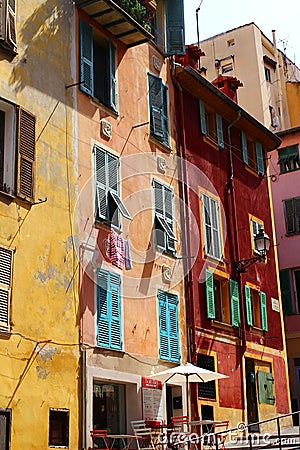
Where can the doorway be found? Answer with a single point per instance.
(109, 407)
(251, 394)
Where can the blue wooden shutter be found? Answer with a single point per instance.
(175, 27)
(86, 58)
(244, 147)
(174, 352)
(219, 126)
(210, 300)
(103, 330)
(203, 126)
(112, 76)
(263, 311)
(286, 295)
(101, 182)
(163, 326)
(248, 300)
(156, 107)
(234, 303)
(115, 325)
(259, 158)
(168, 214)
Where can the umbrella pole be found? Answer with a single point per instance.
(187, 394)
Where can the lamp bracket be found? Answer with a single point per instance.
(242, 266)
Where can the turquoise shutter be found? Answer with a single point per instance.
(112, 76)
(219, 126)
(103, 325)
(163, 326)
(165, 115)
(249, 316)
(86, 58)
(203, 126)
(101, 182)
(263, 311)
(259, 158)
(168, 214)
(174, 352)
(244, 147)
(286, 296)
(210, 300)
(234, 303)
(115, 326)
(156, 107)
(175, 27)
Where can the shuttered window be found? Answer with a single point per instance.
(6, 259)
(163, 217)
(253, 154)
(288, 158)
(211, 227)
(256, 308)
(109, 332)
(265, 383)
(8, 38)
(26, 154)
(98, 66)
(256, 226)
(168, 327)
(292, 215)
(158, 100)
(211, 124)
(222, 299)
(175, 27)
(286, 295)
(208, 389)
(5, 428)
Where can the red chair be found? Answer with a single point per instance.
(180, 423)
(100, 439)
(223, 426)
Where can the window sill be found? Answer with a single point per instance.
(5, 333)
(256, 330)
(7, 48)
(207, 399)
(7, 196)
(212, 259)
(288, 171)
(211, 142)
(222, 325)
(107, 109)
(292, 234)
(160, 144)
(251, 170)
(166, 253)
(106, 225)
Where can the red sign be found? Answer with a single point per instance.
(151, 384)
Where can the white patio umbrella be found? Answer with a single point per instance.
(191, 374)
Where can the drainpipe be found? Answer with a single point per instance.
(236, 253)
(278, 82)
(83, 398)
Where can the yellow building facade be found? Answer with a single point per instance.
(39, 353)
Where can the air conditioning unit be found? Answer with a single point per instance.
(161, 164)
(166, 274)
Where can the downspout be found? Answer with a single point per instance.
(83, 396)
(231, 188)
(278, 82)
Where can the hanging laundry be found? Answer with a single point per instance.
(127, 257)
(115, 250)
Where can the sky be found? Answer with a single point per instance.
(217, 16)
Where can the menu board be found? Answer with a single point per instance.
(152, 400)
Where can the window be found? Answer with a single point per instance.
(6, 259)
(211, 226)
(97, 66)
(211, 124)
(296, 276)
(230, 43)
(58, 427)
(256, 308)
(17, 151)
(222, 299)
(163, 218)
(108, 201)
(169, 27)
(109, 333)
(5, 426)
(226, 68)
(265, 383)
(268, 74)
(286, 295)
(206, 390)
(168, 326)
(255, 226)
(253, 154)
(288, 158)
(8, 25)
(292, 215)
(273, 117)
(158, 101)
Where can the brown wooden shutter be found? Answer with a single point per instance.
(11, 22)
(26, 155)
(5, 286)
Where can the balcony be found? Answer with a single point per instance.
(128, 20)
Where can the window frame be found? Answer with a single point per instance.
(159, 109)
(254, 222)
(252, 295)
(218, 228)
(287, 155)
(208, 362)
(252, 154)
(211, 124)
(64, 443)
(8, 27)
(164, 217)
(168, 326)
(292, 215)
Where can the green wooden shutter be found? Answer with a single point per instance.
(203, 126)
(210, 300)
(248, 300)
(297, 213)
(168, 214)
(86, 58)
(219, 126)
(175, 27)
(174, 351)
(112, 76)
(265, 388)
(165, 114)
(244, 147)
(263, 311)
(259, 158)
(26, 154)
(115, 325)
(234, 303)
(289, 216)
(156, 107)
(286, 295)
(163, 326)
(101, 182)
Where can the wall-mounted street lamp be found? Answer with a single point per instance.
(262, 246)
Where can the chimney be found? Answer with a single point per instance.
(191, 57)
(228, 85)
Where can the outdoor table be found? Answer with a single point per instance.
(116, 441)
